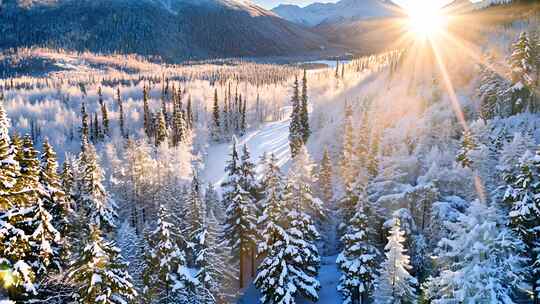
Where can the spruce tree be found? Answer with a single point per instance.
(148, 123)
(100, 275)
(468, 144)
(522, 196)
(295, 127)
(240, 222)
(121, 113)
(325, 180)
(521, 64)
(9, 168)
(394, 283)
(93, 201)
(347, 152)
(358, 260)
(105, 114)
(162, 133)
(189, 113)
(166, 278)
(84, 121)
(215, 128)
(304, 111)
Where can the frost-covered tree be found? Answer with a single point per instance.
(523, 197)
(121, 120)
(130, 244)
(9, 168)
(480, 260)
(468, 144)
(93, 201)
(347, 152)
(240, 221)
(325, 180)
(104, 113)
(357, 262)
(166, 277)
(162, 133)
(394, 283)
(304, 110)
(522, 74)
(99, 273)
(215, 127)
(296, 132)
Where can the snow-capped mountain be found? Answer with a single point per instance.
(318, 13)
(172, 29)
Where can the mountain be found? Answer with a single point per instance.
(173, 29)
(317, 13)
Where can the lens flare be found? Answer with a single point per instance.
(425, 18)
(6, 278)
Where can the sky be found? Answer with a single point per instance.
(273, 3)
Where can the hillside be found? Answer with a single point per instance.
(174, 30)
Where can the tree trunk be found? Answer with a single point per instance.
(241, 277)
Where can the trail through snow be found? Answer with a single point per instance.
(272, 137)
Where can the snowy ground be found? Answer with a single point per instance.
(329, 277)
(270, 138)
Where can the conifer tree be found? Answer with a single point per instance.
(522, 197)
(521, 64)
(479, 260)
(179, 128)
(304, 112)
(121, 113)
(93, 200)
(97, 131)
(243, 120)
(347, 153)
(189, 114)
(84, 121)
(194, 210)
(295, 127)
(9, 168)
(148, 123)
(468, 144)
(129, 243)
(99, 273)
(166, 278)
(215, 129)
(104, 113)
(357, 261)
(162, 133)
(394, 283)
(325, 180)
(240, 222)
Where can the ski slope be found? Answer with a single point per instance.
(272, 137)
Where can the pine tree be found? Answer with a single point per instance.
(240, 222)
(104, 114)
(162, 133)
(468, 144)
(93, 200)
(194, 210)
(9, 168)
(97, 131)
(243, 120)
(295, 127)
(84, 121)
(148, 124)
(304, 112)
(129, 244)
(215, 128)
(347, 153)
(521, 64)
(99, 273)
(121, 113)
(395, 284)
(325, 180)
(179, 128)
(522, 195)
(357, 261)
(166, 277)
(490, 89)
(189, 114)
(479, 260)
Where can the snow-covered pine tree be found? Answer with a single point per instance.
(522, 195)
(121, 122)
(394, 283)
(272, 187)
(84, 121)
(357, 262)
(104, 114)
(304, 110)
(194, 211)
(166, 277)
(215, 127)
(240, 222)
(93, 201)
(522, 74)
(189, 113)
(162, 133)
(325, 181)
(179, 129)
(212, 202)
(99, 273)
(468, 144)
(9, 168)
(480, 260)
(295, 127)
(148, 124)
(492, 85)
(347, 152)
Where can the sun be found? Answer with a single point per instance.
(425, 18)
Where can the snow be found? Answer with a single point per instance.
(272, 137)
(328, 277)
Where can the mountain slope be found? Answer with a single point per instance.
(318, 13)
(173, 29)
